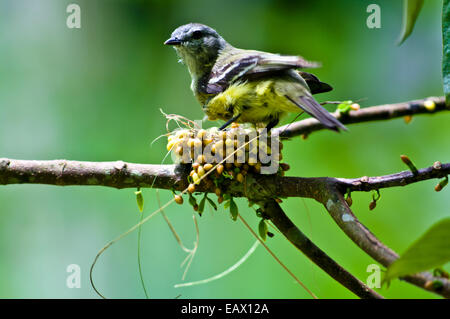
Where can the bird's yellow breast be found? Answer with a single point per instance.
(256, 101)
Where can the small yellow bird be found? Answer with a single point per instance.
(247, 86)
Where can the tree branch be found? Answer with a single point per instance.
(112, 174)
(258, 188)
(368, 242)
(263, 188)
(273, 210)
(367, 114)
(404, 178)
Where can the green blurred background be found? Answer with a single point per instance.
(94, 94)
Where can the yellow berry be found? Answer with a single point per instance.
(196, 178)
(200, 171)
(407, 119)
(197, 143)
(229, 142)
(429, 285)
(201, 133)
(178, 199)
(355, 106)
(180, 134)
(349, 201)
(429, 105)
(201, 159)
(170, 145)
(207, 141)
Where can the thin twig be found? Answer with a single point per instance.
(366, 114)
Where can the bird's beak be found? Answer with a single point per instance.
(173, 41)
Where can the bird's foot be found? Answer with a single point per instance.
(271, 125)
(234, 118)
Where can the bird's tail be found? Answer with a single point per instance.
(310, 106)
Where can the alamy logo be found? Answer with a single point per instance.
(74, 279)
(74, 19)
(374, 279)
(374, 19)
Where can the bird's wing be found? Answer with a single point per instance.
(246, 64)
(310, 106)
(292, 89)
(315, 85)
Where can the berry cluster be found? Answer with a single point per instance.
(217, 155)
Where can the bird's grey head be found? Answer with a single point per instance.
(198, 46)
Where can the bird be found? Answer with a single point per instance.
(247, 86)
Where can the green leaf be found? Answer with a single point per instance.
(446, 45)
(211, 202)
(262, 228)
(411, 10)
(226, 175)
(192, 200)
(429, 251)
(344, 107)
(140, 200)
(201, 206)
(233, 210)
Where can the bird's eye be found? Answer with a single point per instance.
(197, 35)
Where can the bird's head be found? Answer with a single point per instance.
(197, 45)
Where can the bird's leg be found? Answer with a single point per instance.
(234, 118)
(272, 124)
